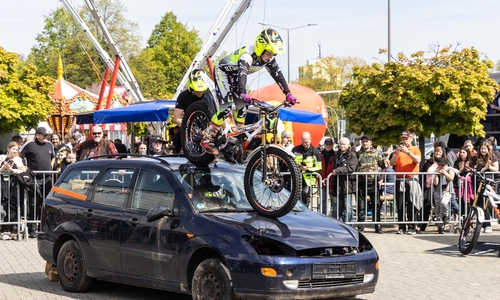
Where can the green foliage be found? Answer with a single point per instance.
(63, 37)
(329, 74)
(171, 48)
(23, 94)
(446, 93)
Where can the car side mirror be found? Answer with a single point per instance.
(158, 212)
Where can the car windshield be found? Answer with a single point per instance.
(215, 189)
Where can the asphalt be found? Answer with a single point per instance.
(423, 266)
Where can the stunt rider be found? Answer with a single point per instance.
(231, 78)
(196, 88)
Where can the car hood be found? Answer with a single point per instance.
(300, 230)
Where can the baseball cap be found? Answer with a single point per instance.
(405, 134)
(157, 139)
(42, 131)
(366, 137)
(328, 140)
(442, 161)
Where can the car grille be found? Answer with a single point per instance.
(333, 282)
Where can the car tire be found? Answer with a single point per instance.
(211, 280)
(72, 268)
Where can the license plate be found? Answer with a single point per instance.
(340, 270)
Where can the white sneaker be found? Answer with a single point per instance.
(6, 236)
(482, 229)
(488, 229)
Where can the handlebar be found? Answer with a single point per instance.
(269, 107)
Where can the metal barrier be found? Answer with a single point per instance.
(19, 211)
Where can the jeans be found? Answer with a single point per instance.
(343, 206)
(324, 200)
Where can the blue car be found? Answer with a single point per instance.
(164, 223)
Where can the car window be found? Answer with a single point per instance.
(152, 190)
(113, 186)
(76, 183)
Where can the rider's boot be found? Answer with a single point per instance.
(208, 139)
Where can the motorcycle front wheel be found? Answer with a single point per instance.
(276, 194)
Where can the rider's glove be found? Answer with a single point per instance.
(247, 99)
(290, 100)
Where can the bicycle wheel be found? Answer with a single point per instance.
(277, 194)
(195, 121)
(471, 228)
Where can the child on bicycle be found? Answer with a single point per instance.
(443, 190)
(231, 80)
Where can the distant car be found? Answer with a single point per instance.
(429, 150)
(164, 223)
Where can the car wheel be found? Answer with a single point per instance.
(72, 268)
(212, 281)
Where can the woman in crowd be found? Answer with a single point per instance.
(462, 164)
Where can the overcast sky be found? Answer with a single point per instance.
(345, 28)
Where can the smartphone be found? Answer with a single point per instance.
(303, 163)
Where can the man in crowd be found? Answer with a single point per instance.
(309, 160)
(327, 165)
(346, 163)
(409, 200)
(369, 161)
(196, 88)
(286, 140)
(96, 146)
(158, 149)
(40, 156)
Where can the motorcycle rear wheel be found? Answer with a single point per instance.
(194, 123)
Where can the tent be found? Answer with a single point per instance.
(144, 111)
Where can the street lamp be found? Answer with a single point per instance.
(287, 39)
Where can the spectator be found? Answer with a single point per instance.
(55, 138)
(443, 188)
(451, 156)
(462, 164)
(96, 146)
(286, 140)
(177, 140)
(369, 160)
(327, 165)
(70, 158)
(10, 163)
(158, 148)
(309, 160)
(430, 166)
(142, 149)
(60, 158)
(120, 147)
(486, 161)
(470, 144)
(408, 193)
(68, 144)
(346, 162)
(40, 156)
(196, 88)
(19, 140)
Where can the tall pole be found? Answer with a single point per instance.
(388, 30)
(287, 40)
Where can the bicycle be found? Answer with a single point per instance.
(273, 182)
(471, 226)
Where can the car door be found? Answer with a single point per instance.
(100, 219)
(148, 249)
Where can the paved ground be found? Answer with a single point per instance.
(410, 269)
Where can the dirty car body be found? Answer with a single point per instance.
(164, 223)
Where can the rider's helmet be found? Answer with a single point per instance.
(269, 40)
(195, 82)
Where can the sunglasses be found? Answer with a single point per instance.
(97, 133)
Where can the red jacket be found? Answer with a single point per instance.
(327, 167)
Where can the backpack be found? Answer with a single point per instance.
(26, 180)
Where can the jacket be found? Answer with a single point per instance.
(346, 163)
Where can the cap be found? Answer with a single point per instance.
(366, 137)
(157, 139)
(442, 161)
(42, 131)
(405, 134)
(328, 140)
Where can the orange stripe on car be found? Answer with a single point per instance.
(69, 193)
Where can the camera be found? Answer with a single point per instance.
(401, 144)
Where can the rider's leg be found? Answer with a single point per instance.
(241, 111)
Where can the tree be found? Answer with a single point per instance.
(330, 74)
(446, 93)
(62, 36)
(23, 94)
(171, 49)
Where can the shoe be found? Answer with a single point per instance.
(208, 139)
(488, 229)
(482, 229)
(361, 228)
(411, 232)
(441, 230)
(6, 236)
(378, 229)
(33, 234)
(401, 231)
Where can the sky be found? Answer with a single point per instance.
(344, 28)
